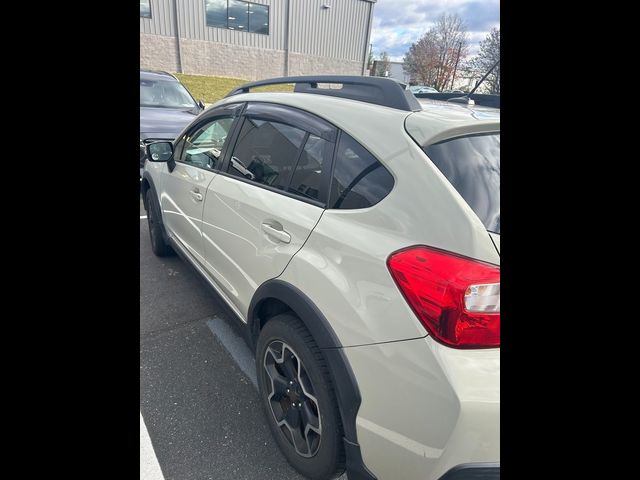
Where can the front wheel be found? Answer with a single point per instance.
(298, 398)
(158, 244)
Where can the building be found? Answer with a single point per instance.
(257, 39)
(395, 71)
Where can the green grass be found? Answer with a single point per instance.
(211, 89)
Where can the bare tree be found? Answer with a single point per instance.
(382, 65)
(488, 56)
(434, 58)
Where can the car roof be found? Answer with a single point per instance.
(437, 121)
(440, 120)
(157, 75)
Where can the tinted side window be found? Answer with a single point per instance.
(314, 159)
(359, 180)
(266, 152)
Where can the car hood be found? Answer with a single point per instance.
(164, 120)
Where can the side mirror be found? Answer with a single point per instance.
(160, 151)
(200, 104)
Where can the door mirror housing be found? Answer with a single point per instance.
(200, 104)
(160, 151)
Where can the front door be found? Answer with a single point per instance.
(198, 156)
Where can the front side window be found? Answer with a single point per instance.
(204, 148)
(145, 9)
(238, 15)
(359, 180)
(266, 152)
(164, 94)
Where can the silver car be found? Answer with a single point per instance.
(355, 235)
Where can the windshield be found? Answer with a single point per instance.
(164, 94)
(472, 165)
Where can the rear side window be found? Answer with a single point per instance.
(359, 180)
(266, 152)
(308, 175)
(472, 165)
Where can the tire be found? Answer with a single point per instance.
(319, 455)
(158, 244)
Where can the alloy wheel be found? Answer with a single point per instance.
(291, 399)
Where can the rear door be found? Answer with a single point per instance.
(198, 156)
(270, 195)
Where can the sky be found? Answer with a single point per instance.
(399, 23)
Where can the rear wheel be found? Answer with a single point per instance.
(298, 398)
(158, 244)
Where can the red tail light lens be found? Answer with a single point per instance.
(457, 299)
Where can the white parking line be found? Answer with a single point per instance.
(142, 216)
(149, 467)
(236, 347)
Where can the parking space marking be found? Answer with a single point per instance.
(149, 467)
(142, 216)
(236, 347)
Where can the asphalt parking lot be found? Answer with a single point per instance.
(199, 406)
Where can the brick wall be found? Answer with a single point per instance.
(159, 52)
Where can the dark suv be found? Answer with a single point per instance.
(166, 107)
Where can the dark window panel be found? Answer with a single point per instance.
(238, 18)
(472, 165)
(359, 180)
(145, 9)
(216, 13)
(259, 18)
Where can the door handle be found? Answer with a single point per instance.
(275, 233)
(196, 195)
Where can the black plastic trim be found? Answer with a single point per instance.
(377, 90)
(146, 176)
(292, 116)
(473, 471)
(346, 387)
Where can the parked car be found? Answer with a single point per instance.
(166, 107)
(357, 243)
(422, 89)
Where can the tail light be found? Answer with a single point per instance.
(457, 299)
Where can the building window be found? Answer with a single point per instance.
(237, 15)
(145, 8)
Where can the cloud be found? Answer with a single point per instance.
(399, 23)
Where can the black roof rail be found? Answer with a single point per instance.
(377, 90)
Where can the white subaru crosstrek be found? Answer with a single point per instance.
(355, 235)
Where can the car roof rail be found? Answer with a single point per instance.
(377, 90)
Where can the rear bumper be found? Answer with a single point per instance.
(473, 471)
(428, 410)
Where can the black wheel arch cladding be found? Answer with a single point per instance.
(342, 376)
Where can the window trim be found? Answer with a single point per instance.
(268, 7)
(150, 12)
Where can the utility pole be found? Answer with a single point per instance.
(456, 65)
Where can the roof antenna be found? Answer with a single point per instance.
(468, 101)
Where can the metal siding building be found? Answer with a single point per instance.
(304, 37)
